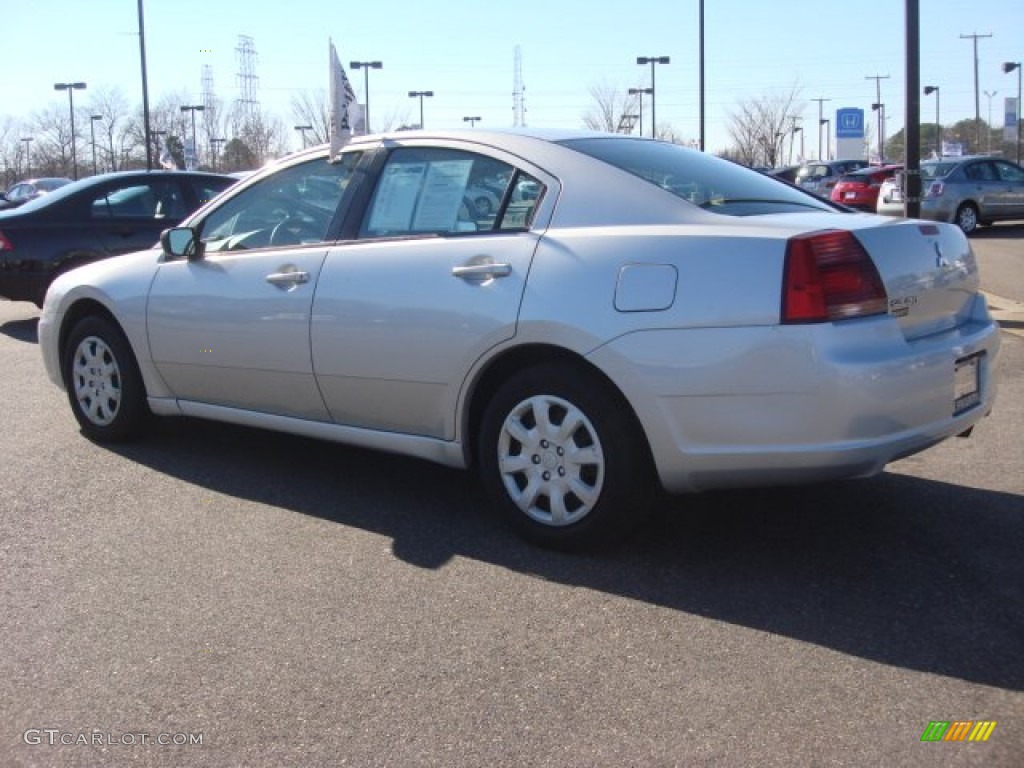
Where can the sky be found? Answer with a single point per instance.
(465, 53)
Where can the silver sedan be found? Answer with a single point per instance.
(632, 314)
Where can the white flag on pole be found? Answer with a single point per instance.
(343, 99)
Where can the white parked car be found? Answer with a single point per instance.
(578, 346)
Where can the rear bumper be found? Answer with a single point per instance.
(782, 405)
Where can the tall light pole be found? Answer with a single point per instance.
(653, 60)
(639, 92)
(821, 122)
(700, 77)
(92, 134)
(1008, 67)
(421, 94)
(28, 156)
(828, 136)
(880, 109)
(145, 90)
(472, 121)
(193, 108)
(988, 131)
(366, 66)
(213, 150)
(928, 91)
(792, 138)
(71, 88)
(977, 98)
(304, 128)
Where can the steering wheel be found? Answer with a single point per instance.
(291, 229)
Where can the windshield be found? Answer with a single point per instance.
(703, 180)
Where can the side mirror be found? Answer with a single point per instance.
(181, 242)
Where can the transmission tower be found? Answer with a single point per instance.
(210, 115)
(248, 105)
(518, 92)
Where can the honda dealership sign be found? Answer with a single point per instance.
(849, 133)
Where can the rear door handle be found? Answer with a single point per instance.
(482, 271)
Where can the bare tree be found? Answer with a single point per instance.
(760, 127)
(51, 150)
(312, 108)
(118, 138)
(611, 110)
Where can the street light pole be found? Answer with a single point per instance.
(821, 122)
(639, 93)
(471, 120)
(366, 66)
(988, 129)
(880, 109)
(195, 147)
(304, 128)
(928, 90)
(28, 156)
(71, 88)
(652, 60)
(92, 133)
(420, 94)
(1008, 67)
(828, 136)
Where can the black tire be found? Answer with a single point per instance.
(967, 218)
(103, 382)
(532, 479)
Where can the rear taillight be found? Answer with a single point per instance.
(829, 276)
(5, 244)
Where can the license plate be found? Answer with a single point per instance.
(896, 196)
(966, 394)
(850, 195)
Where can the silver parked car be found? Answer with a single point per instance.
(967, 191)
(633, 313)
(821, 176)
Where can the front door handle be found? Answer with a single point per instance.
(287, 279)
(482, 271)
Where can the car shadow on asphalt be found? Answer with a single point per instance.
(22, 330)
(915, 573)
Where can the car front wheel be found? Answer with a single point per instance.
(563, 459)
(103, 382)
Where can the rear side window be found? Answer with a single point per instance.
(704, 180)
(152, 199)
(433, 190)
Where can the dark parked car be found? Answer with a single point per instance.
(92, 219)
(785, 172)
(30, 189)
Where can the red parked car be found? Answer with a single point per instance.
(859, 189)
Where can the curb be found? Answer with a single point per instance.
(1009, 313)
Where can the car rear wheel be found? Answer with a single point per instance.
(563, 459)
(967, 218)
(103, 382)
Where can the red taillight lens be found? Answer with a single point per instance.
(829, 276)
(5, 244)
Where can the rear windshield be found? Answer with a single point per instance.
(703, 180)
(937, 170)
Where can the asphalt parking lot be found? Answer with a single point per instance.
(295, 603)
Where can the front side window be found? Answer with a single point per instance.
(1009, 172)
(431, 190)
(294, 206)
